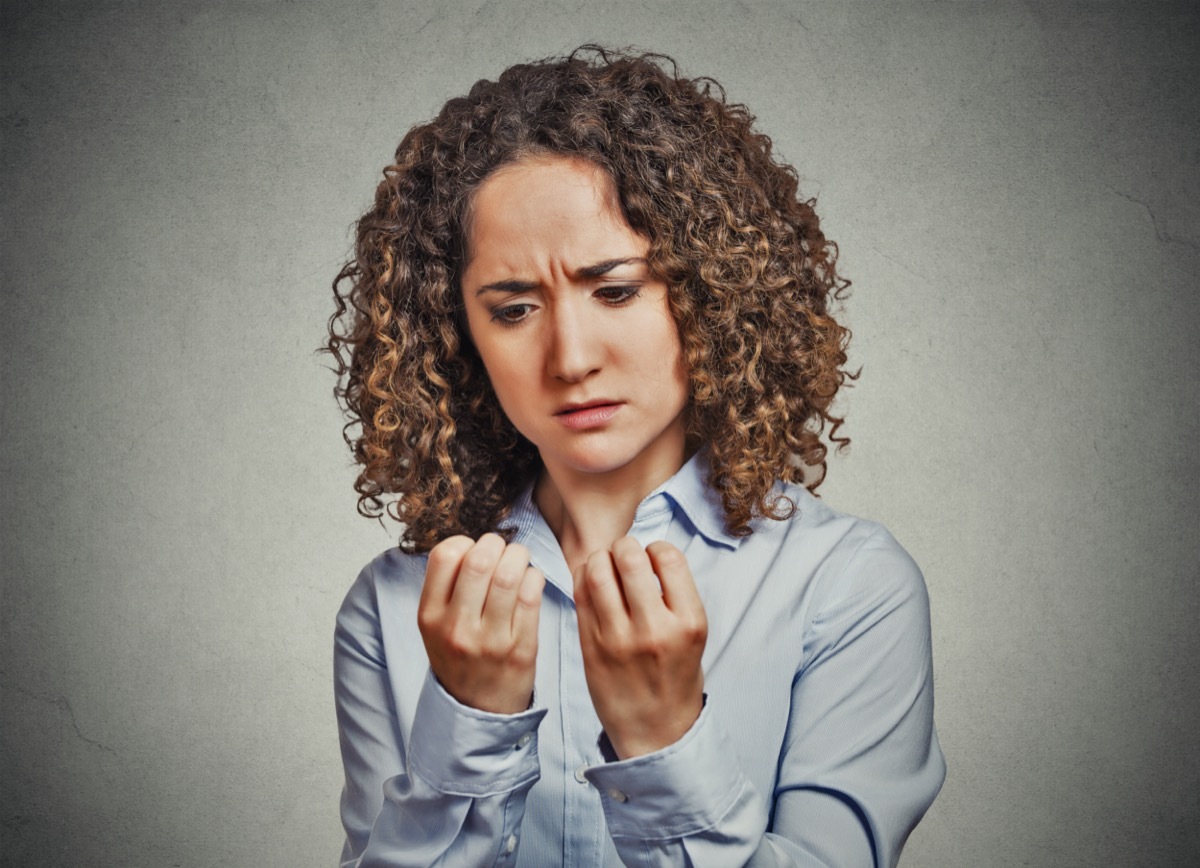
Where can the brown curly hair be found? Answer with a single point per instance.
(751, 279)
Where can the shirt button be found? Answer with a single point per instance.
(579, 773)
(510, 844)
(524, 740)
(617, 796)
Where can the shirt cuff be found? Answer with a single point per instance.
(685, 788)
(462, 751)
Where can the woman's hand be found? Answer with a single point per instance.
(479, 618)
(642, 629)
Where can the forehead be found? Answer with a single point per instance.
(547, 208)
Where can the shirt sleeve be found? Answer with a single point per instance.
(860, 763)
(450, 792)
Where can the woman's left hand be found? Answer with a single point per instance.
(642, 629)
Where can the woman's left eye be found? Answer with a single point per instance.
(615, 295)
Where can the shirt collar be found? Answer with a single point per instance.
(688, 490)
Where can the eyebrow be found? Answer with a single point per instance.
(514, 286)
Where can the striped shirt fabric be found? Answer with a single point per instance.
(816, 745)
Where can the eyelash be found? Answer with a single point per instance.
(626, 295)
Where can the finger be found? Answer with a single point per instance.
(583, 606)
(671, 567)
(604, 596)
(502, 589)
(528, 606)
(440, 570)
(475, 574)
(584, 612)
(641, 587)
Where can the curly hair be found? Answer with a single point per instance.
(751, 281)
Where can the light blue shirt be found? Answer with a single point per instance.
(816, 745)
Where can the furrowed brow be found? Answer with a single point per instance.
(509, 286)
(606, 266)
(514, 286)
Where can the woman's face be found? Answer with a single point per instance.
(577, 339)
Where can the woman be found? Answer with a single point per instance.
(586, 337)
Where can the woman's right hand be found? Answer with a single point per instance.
(478, 616)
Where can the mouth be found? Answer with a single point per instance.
(586, 405)
(590, 414)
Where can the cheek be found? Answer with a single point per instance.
(656, 357)
(505, 378)
(509, 373)
(670, 365)
(677, 370)
(491, 352)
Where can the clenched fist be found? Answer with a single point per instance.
(642, 630)
(478, 616)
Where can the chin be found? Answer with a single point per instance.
(597, 464)
(595, 460)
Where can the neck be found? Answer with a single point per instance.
(588, 512)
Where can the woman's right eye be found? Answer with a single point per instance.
(510, 314)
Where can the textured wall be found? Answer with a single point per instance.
(1017, 196)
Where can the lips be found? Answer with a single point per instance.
(590, 414)
(586, 405)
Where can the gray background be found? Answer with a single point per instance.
(1015, 189)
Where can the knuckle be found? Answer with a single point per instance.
(649, 647)
(490, 651)
(459, 644)
(425, 618)
(626, 545)
(449, 551)
(531, 588)
(477, 560)
(696, 628)
(506, 579)
(596, 578)
(493, 543)
(666, 554)
(461, 632)
(596, 561)
(439, 556)
(628, 559)
(524, 655)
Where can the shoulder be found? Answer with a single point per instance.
(859, 558)
(866, 590)
(390, 582)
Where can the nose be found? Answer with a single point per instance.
(574, 348)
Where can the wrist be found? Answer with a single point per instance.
(489, 697)
(622, 742)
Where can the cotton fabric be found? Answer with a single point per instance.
(816, 744)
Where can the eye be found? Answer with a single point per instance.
(618, 295)
(510, 314)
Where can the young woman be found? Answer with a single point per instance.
(586, 339)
